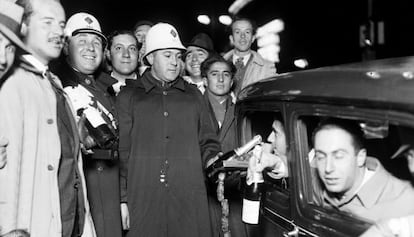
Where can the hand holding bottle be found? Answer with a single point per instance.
(265, 157)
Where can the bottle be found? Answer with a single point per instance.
(217, 164)
(251, 198)
(98, 129)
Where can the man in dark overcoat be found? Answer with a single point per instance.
(166, 138)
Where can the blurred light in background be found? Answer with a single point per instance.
(225, 20)
(204, 19)
(301, 63)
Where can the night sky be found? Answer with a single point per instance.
(324, 32)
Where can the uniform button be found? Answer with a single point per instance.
(50, 167)
(100, 168)
(49, 121)
(165, 114)
(164, 93)
(167, 137)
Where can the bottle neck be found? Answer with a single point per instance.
(257, 177)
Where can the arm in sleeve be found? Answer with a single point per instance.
(11, 127)
(207, 134)
(124, 108)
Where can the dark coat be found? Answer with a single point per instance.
(101, 171)
(165, 131)
(228, 139)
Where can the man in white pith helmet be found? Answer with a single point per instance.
(83, 48)
(166, 138)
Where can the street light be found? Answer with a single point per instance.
(204, 19)
(225, 20)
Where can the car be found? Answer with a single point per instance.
(378, 95)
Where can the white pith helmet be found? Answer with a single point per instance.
(162, 36)
(83, 23)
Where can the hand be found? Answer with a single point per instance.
(3, 152)
(87, 141)
(124, 216)
(263, 158)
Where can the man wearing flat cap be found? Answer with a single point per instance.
(81, 78)
(198, 50)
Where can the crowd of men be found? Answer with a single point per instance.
(57, 178)
(168, 109)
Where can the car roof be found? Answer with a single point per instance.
(386, 82)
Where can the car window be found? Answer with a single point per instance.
(271, 126)
(385, 141)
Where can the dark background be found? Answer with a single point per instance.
(324, 32)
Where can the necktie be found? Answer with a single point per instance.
(239, 63)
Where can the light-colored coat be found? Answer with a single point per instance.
(29, 193)
(258, 68)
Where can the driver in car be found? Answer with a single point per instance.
(353, 182)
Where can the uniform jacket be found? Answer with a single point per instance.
(29, 197)
(166, 137)
(256, 70)
(101, 172)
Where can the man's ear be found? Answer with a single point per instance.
(66, 46)
(150, 58)
(23, 30)
(361, 157)
(107, 54)
(231, 40)
(205, 82)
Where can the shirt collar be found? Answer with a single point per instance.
(369, 191)
(134, 77)
(32, 60)
(245, 58)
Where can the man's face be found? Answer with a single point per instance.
(85, 52)
(123, 54)
(140, 34)
(242, 35)
(277, 138)
(193, 59)
(337, 161)
(45, 30)
(165, 64)
(7, 52)
(219, 79)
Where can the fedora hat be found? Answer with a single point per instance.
(10, 22)
(202, 40)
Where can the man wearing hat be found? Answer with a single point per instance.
(166, 138)
(42, 184)
(10, 24)
(198, 50)
(83, 48)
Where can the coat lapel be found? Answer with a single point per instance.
(228, 119)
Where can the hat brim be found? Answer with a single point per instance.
(92, 31)
(201, 47)
(145, 56)
(13, 37)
